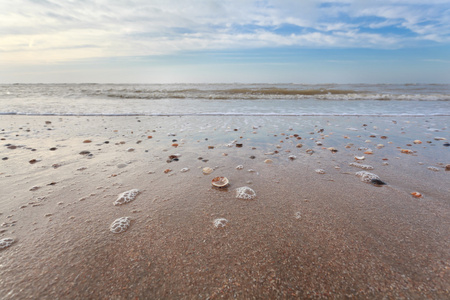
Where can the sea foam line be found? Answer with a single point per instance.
(221, 114)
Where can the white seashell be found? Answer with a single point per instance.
(221, 222)
(120, 225)
(184, 170)
(360, 157)
(207, 170)
(245, 193)
(6, 242)
(320, 171)
(240, 167)
(220, 182)
(126, 197)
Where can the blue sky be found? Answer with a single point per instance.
(339, 41)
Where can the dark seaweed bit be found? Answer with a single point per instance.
(377, 182)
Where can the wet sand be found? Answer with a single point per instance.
(305, 235)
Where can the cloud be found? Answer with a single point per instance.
(50, 30)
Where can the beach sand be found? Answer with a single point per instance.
(304, 235)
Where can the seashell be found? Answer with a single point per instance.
(245, 193)
(120, 225)
(360, 157)
(417, 142)
(167, 171)
(207, 170)
(433, 169)
(220, 182)
(175, 145)
(299, 145)
(87, 141)
(268, 161)
(184, 170)
(220, 222)
(332, 149)
(406, 151)
(292, 157)
(6, 242)
(368, 152)
(309, 151)
(320, 171)
(416, 194)
(240, 167)
(130, 149)
(126, 197)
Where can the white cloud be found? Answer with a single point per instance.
(50, 30)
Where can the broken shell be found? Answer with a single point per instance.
(368, 152)
(416, 194)
(220, 182)
(309, 151)
(406, 151)
(360, 157)
(207, 170)
(417, 142)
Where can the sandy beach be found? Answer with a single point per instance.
(307, 233)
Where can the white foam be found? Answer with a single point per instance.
(126, 197)
(365, 167)
(366, 176)
(120, 225)
(6, 242)
(433, 169)
(245, 193)
(221, 222)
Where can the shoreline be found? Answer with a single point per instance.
(305, 235)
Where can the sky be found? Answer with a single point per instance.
(274, 41)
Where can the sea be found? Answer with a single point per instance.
(87, 99)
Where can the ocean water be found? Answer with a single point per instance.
(226, 99)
